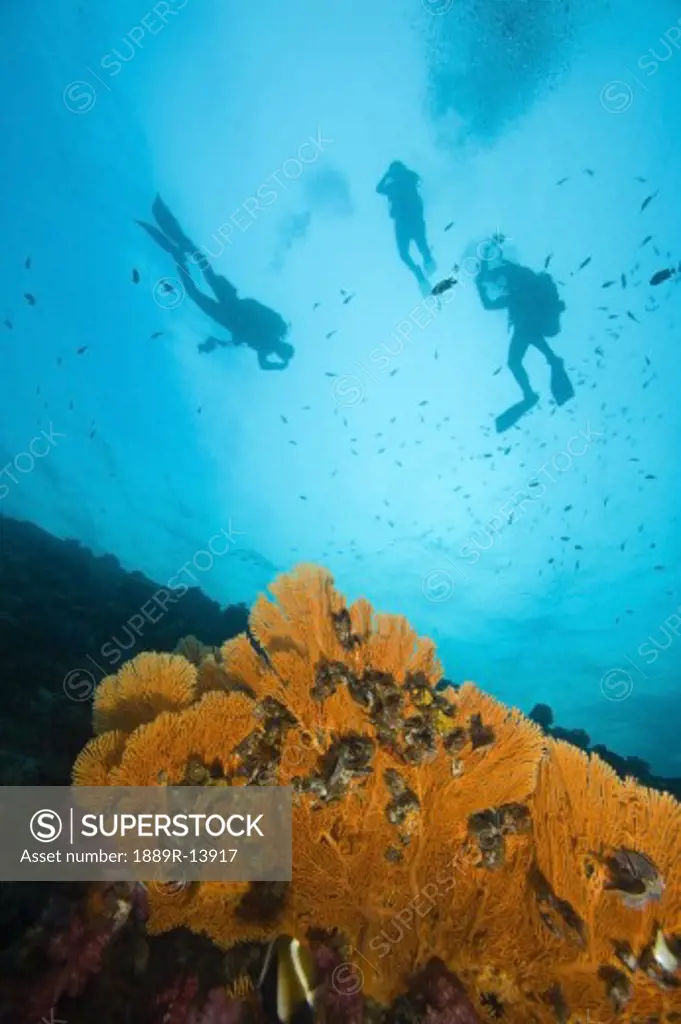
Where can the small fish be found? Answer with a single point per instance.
(608, 284)
(498, 370)
(29, 298)
(283, 418)
(316, 306)
(8, 324)
(393, 372)
(669, 960)
(303, 497)
(587, 170)
(330, 335)
(199, 409)
(27, 263)
(634, 876)
(135, 276)
(167, 288)
(623, 280)
(79, 351)
(646, 202)
(448, 227)
(210, 344)
(92, 433)
(643, 181)
(157, 334)
(547, 261)
(424, 402)
(287, 983)
(645, 241)
(563, 180)
(632, 317)
(662, 275)
(348, 298)
(444, 286)
(329, 374)
(584, 263)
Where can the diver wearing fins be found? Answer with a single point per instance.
(248, 321)
(534, 309)
(287, 983)
(401, 186)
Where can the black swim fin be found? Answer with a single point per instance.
(160, 238)
(170, 226)
(561, 385)
(510, 416)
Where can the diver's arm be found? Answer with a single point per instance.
(265, 364)
(481, 281)
(487, 303)
(382, 187)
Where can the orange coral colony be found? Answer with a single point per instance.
(424, 824)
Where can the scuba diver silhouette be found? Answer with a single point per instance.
(248, 321)
(401, 186)
(534, 309)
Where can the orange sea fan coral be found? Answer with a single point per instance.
(95, 762)
(425, 824)
(142, 688)
(187, 748)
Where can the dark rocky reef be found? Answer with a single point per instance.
(67, 618)
(624, 766)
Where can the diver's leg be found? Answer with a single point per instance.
(562, 388)
(516, 354)
(542, 345)
(205, 303)
(404, 239)
(419, 234)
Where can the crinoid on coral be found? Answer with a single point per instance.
(427, 826)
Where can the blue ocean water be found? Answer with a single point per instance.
(545, 560)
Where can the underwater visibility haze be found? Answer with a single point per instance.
(390, 288)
